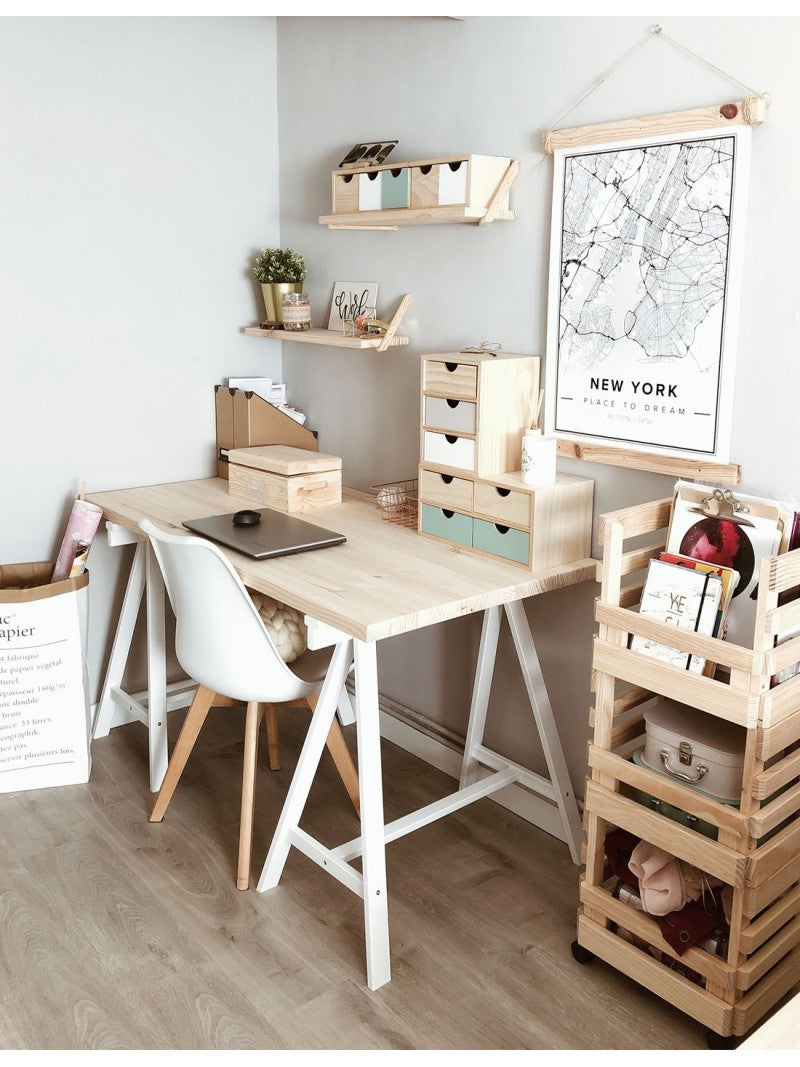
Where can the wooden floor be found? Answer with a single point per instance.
(115, 933)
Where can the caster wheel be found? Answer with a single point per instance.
(720, 1043)
(581, 954)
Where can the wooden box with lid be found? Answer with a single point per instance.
(287, 479)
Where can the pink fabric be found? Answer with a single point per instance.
(665, 884)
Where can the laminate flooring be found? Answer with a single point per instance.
(119, 934)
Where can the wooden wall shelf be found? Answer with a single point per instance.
(452, 189)
(317, 335)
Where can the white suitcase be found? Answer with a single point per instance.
(695, 748)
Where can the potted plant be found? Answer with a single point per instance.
(280, 271)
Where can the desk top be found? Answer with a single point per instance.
(385, 580)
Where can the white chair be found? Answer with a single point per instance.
(222, 643)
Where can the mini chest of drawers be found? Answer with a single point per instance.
(473, 411)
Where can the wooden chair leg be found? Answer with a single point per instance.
(337, 746)
(248, 794)
(272, 738)
(192, 724)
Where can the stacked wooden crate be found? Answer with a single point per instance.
(757, 851)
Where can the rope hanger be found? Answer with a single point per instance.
(758, 101)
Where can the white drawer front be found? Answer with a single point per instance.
(369, 192)
(456, 415)
(449, 450)
(453, 183)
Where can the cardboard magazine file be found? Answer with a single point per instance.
(245, 419)
(45, 719)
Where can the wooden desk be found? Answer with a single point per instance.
(385, 580)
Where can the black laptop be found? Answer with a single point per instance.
(276, 534)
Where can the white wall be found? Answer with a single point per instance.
(492, 85)
(138, 175)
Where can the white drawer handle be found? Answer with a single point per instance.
(701, 770)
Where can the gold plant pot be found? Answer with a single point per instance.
(274, 293)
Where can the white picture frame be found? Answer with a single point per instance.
(350, 299)
(646, 252)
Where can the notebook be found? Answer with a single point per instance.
(276, 535)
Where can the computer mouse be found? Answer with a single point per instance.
(246, 518)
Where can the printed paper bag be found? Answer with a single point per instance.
(44, 709)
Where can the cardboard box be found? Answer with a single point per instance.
(245, 419)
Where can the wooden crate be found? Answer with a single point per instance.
(757, 850)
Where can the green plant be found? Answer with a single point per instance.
(279, 265)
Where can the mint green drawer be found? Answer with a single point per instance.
(449, 525)
(502, 541)
(394, 187)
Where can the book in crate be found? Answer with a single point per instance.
(683, 597)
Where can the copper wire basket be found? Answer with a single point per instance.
(397, 502)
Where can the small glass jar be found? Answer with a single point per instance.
(296, 311)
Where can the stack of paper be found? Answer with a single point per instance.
(271, 391)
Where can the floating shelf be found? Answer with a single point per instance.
(391, 218)
(468, 189)
(317, 335)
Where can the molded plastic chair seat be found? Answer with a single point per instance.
(221, 642)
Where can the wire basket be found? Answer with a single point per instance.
(397, 502)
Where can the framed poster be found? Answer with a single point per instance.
(645, 275)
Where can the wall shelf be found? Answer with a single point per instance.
(453, 189)
(317, 335)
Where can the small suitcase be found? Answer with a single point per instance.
(699, 750)
(685, 818)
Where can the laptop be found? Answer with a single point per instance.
(277, 534)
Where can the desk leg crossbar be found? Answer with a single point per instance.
(370, 883)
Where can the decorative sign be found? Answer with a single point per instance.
(645, 260)
(351, 299)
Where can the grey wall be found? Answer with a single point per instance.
(492, 85)
(139, 173)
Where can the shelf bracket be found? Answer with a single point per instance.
(394, 325)
(505, 184)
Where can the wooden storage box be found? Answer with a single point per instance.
(463, 188)
(286, 479)
(757, 848)
(473, 409)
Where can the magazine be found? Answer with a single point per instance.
(682, 597)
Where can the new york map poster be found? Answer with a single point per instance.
(645, 268)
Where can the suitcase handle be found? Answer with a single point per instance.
(701, 770)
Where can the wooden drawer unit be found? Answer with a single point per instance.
(445, 490)
(502, 387)
(502, 504)
(473, 410)
(450, 189)
(445, 413)
(449, 450)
